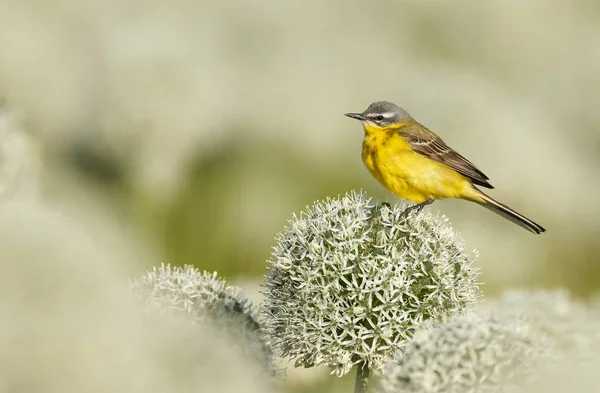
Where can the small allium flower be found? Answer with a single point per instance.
(351, 279)
(569, 324)
(206, 299)
(466, 355)
(69, 325)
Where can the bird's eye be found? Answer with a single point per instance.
(378, 118)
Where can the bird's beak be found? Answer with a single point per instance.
(356, 116)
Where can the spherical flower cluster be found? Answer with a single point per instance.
(569, 324)
(351, 279)
(206, 299)
(468, 354)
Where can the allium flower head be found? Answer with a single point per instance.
(206, 299)
(351, 279)
(468, 354)
(569, 324)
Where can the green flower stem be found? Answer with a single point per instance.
(361, 384)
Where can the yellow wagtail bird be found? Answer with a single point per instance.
(416, 164)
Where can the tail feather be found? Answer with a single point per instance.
(509, 214)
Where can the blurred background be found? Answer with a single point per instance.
(191, 131)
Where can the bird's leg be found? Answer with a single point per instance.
(416, 208)
(421, 205)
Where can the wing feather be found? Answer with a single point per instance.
(433, 147)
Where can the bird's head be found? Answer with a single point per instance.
(381, 114)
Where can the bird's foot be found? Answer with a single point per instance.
(416, 208)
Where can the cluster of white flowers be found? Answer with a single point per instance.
(468, 354)
(351, 279)
(206, 299)
(356, 282)
(69, 325)
(531, 334)
(569, 324)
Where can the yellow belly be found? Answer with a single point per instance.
(410, 175)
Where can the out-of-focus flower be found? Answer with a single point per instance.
(207, 299)
(468, 354)
(569, 324)
(351, 279)
(19, 158)
(566, 376)
(68, 322)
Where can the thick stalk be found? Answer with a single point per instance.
(362, 378)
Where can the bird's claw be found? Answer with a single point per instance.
(415, 208)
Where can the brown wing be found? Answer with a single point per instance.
(433, 147)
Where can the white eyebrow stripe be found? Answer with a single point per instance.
(387, 115)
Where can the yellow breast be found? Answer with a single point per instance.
(406, 173)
